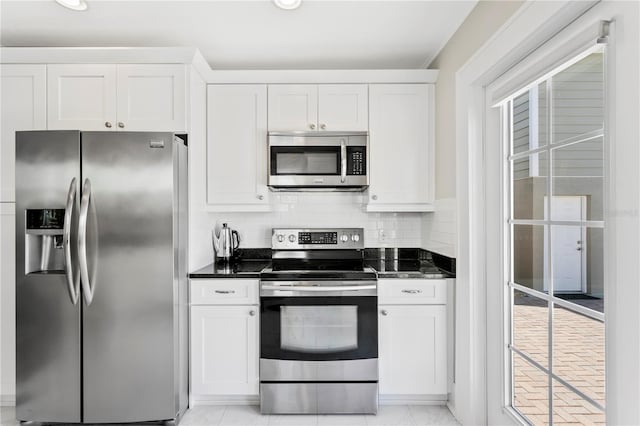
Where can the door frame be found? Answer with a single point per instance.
(480, 300)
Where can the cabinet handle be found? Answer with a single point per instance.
(411, 291)
(107, 124)
(384, 313)
(252, 313)
(225, 291)
(323, 126)
(312, 126)
(374, 197)
(260, 197)
(121, 124)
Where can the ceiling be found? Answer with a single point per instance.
(240, 34)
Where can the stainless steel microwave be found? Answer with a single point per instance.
(301, 161)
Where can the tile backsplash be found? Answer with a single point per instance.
(317, 210)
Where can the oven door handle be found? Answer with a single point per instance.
(319, 289)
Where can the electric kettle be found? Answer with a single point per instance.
(225, 243)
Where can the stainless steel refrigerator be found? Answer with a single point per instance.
(101, 291)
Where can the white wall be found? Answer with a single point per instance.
(480, 25)
(439, 229)
(305, 209)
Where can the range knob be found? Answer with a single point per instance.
(280, 238)
(344, 238)
(292, 238)
(355, 238)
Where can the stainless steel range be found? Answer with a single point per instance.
(319, 324)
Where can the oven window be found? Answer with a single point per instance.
(316, 160)
(319, 329)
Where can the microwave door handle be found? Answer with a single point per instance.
(343, 161)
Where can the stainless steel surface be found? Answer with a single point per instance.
(344, 370)
(128, 332)
(328, 288)
(284, 243)
(343, 161)
(225, 243)
(318, 135)
(73, 278)
(319, 398)
(47, 323)
(323, 182)
(133, 334)
(87, 288)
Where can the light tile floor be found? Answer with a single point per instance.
(249, 415)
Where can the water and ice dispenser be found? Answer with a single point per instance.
(44, 251)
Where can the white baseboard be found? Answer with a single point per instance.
(7, 400)
(195, 400)
(412, 399)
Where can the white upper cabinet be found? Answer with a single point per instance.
(237, 148)
(151, 97)
(401, 134)
(116, 97)
(312, 107)
(24, 107)
(293, 107)
(81, 97)
(343, 107)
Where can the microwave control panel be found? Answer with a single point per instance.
(356, 160)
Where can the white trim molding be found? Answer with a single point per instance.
(480, 296)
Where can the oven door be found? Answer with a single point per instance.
(323, 324)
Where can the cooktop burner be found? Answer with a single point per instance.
(314, 253)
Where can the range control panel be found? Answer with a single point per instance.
(315, 238)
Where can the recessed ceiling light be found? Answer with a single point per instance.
(73, 4)
(288, 4)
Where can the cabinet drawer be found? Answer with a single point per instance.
(224, 292)
(412, 291)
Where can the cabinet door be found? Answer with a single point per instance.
(7, 299)
(237, 148)
(293, 107)
(401, 147)
(151, 98)
(23, 107)
(224, 350)
(81, 97)
(413, 349)
(343, 107)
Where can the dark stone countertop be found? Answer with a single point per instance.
(412, 268)
(249, 268)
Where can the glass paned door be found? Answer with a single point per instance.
(556, 170)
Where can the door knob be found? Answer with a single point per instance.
(260, 197)
(121, 125)
(252, 313)
(107, 124)
(323, 126)
(312, 126)
(374, 197)
(383, 312)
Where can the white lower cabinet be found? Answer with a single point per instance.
(412, 340)
(224, 347)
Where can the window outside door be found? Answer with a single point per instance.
(556, 227)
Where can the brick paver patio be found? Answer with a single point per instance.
(578, 358)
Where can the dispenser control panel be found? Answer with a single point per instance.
(45, 219)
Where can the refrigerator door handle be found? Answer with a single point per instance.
(73, 283)
(87, 288)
